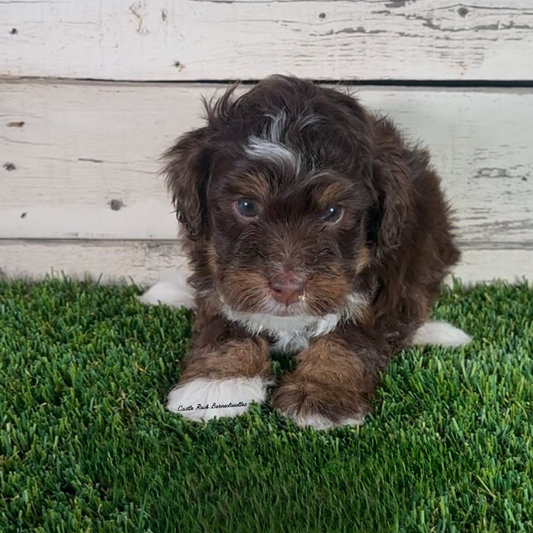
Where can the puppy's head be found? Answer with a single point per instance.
(284, 193)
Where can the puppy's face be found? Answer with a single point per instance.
(286, 238)
(277, 192)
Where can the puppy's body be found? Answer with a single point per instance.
(313, 229)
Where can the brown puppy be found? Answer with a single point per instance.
(312, 229)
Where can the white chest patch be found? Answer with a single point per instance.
(292, 334)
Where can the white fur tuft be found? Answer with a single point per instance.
(174, 292)
(293, 333)
(440, 333)
(277, 127)
(204, 399)
(258, 148)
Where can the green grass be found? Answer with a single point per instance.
(86, 444)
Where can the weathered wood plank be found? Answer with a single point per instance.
(140, 261)
(146, 262)
(84, 164)
(249, 39)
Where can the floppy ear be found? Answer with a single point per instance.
(390, 215)
(187, 170)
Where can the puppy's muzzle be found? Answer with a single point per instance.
(287, 288)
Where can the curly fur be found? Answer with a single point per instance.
(297, 149)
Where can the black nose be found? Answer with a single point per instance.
(287, 288)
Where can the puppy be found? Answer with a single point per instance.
(312, 229)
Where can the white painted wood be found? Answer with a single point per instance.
(85, 144)
(112, 261)
(249, 39)
(487, 265)
(147, 262)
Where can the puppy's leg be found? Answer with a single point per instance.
(332, 383)
(223, 373)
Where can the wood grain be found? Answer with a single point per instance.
(86, 159)
(111, 261)
(249, 39)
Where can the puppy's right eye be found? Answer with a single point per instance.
(247, 208)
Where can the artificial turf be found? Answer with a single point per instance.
(86, 444)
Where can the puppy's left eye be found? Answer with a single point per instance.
(332, 214)
(247, 208)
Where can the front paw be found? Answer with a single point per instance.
(204, 399)
(319, 405)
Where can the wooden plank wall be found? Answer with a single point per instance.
(235, 39)
(86, 108)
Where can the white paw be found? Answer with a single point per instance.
(204, 399)
(320, 422)
(440, 333)
(175, 292)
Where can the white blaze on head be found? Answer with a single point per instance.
(269, 146)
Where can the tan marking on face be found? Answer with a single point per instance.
(332, 194)
(363, 259)
(254, 186)
(325, 293)
(244, 290)
(212, 258)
